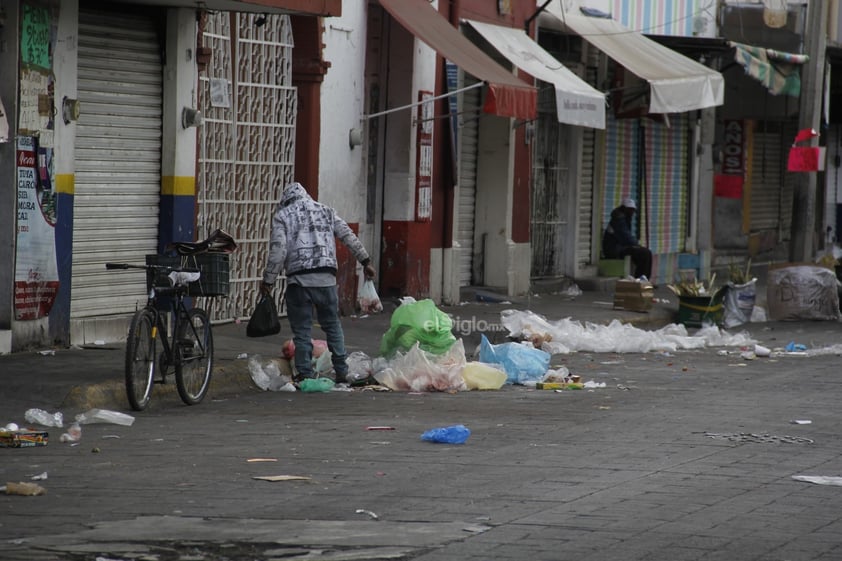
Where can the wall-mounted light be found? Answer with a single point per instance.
(191, 118)
(70, 110)
(355, 137)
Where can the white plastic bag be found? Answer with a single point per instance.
(368, 299)
(739, 303)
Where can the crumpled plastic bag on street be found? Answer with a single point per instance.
(616, 337)
(420, 371)
(522, 362)
(267, 376)
(482, 376)
(739, 303)
(418, 322)
(359, 367)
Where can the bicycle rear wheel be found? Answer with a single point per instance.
(140, 359)
(194, 356)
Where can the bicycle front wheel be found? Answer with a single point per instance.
(140, 359)
(194, 356)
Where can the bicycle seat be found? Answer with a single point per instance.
(218, 242)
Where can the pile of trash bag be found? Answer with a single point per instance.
(418, 322)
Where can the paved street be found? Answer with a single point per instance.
(682, 456)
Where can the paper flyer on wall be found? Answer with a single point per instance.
(36, 272)
(4, 124)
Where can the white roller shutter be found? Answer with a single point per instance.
(468, 134)
(118, 159)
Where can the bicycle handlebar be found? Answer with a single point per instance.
(111, 266)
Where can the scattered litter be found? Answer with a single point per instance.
(522, 362)
(380, 442)
(282, 478)
(792, 346)
(12, 427)
(760, 350)
(454, 434)
(420, 371)
(379, 428)
(590, 384)
(23, 488)
(748, 355)
(368, 513)
(801, 422)
(242, 356)
(41, 417)
(251, 460)
(99, 342)
(50, 352)
(615, 337)
(73, 434)
(359, 367)
(40, 477)
(104, 416)
(482, 376)
(316, 385)
(760, 438)
(267, 375)
(819, 479)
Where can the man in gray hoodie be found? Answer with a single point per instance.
(303, 243)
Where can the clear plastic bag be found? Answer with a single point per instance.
(368, 299)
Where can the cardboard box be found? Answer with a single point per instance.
(634, 296)
(23, 438)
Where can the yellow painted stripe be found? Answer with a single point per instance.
(66, 183)
(178, 185)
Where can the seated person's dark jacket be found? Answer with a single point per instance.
(618, 235)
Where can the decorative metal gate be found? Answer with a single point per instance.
(247, 143)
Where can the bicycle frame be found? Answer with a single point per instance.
(185, 335)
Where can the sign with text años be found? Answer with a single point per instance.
(36, 273)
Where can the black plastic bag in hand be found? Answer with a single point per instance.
(264, 321)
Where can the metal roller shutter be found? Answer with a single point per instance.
(587, 170)
(118, 159)
(771, 186)
(467, 178)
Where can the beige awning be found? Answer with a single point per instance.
(577, 103)
(677, 83)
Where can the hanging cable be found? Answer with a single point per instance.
(417, 103)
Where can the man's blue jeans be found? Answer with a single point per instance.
(300, 302)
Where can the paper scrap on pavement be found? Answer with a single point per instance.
(819, 479)
(24, 488)
(282, 478)
(250, 460)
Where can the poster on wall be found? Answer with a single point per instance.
(36, 272)
(424, 162)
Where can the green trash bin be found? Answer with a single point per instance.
(695, 311)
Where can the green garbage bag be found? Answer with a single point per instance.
(419, 321)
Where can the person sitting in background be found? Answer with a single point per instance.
(618, 240)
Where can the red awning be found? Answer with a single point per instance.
(508, 96)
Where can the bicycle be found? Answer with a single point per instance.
(188, 348)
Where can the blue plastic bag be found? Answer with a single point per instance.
(520, 362)
(454, 434)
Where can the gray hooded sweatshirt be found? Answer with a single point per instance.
(303, 237)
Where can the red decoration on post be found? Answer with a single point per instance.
(806, 158)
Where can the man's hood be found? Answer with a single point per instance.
(292, 193)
